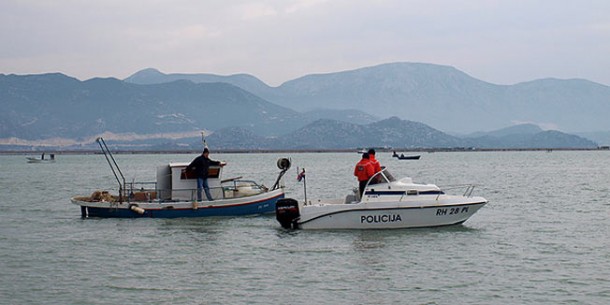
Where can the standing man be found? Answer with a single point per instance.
(363, 171)
(201, 165)
(376, 165)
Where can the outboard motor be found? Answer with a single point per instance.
(287, 212)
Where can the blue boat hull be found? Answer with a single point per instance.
(265, 206)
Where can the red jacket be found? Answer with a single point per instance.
(375, 163)
(364, 170)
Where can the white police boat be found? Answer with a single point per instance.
(174, 194)
(387, 203)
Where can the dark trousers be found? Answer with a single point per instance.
(362, 185)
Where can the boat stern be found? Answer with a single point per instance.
(287, 212)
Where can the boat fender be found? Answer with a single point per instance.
(137, 209)
(287, 212)
(195, 205)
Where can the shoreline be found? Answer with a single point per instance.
(270, 151)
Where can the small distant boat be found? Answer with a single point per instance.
(403, 157)
(42, 159)
(387, 203)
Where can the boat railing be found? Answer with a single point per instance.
(130, 189)
(238, 182)
(383, 176)
(229, 188)
(468, 189)
(241, 188)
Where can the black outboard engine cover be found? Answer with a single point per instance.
(287, 212)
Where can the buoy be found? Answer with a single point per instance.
(137, 209)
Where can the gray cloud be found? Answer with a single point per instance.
(497, 41)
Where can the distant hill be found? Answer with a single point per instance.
(528, 136)
(440, 96)
(247, 82)
(253, 85)
(334, 134)
(451, 100)
(237, 138)
(601, 137)
(392, 132)
(521, 129)
(55, 105)
(348, 115)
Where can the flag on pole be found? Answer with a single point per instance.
(301, 176)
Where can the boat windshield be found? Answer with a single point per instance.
(384, 176)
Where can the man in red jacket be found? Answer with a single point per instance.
(374, 162)
(364, 171)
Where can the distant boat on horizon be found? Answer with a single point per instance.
(41, 159)
(403, 157)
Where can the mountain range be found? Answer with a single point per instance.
(439, 96)
(55, 105)
(394, 133)
(335, 110)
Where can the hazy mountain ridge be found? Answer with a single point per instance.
(152, 76)
(347, 115)
(446, 98)
(48, 106)
(54, 105)
(392, 133)
(522, 129)
(333, 134)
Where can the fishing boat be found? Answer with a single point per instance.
(387, 203)
(174, 194)
(403, 157)
(42, 159)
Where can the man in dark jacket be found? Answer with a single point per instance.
(200, 166)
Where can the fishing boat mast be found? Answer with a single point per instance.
(113, 166)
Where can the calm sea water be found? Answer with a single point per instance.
(542, 239)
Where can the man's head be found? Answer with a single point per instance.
(371, 152)
(206, 151)
(365, 155)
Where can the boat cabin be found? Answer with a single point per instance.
(175, 183)
(383, 186)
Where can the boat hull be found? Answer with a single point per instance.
(37, 160)
(388, 215)
(407, 157)
(258, 204)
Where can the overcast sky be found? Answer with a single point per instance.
(502, 42)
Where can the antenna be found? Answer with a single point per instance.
(205, 144)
